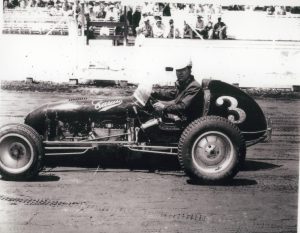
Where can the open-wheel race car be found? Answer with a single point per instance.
(210, 143)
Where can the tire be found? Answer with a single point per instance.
(21, 152)
(211, 149)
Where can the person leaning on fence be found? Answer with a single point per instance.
(186, 95)
(220, 30)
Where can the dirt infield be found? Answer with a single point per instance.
(123, 192)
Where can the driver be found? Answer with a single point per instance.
(181, 100)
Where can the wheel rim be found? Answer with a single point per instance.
(212, 152)
(16, 153)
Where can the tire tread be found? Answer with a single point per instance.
(198, 123)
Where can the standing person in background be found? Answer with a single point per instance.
(167, 10)
(136, 17)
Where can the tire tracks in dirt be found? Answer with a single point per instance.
(174, 215)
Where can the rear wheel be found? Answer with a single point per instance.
(21, 152)
(211, 149)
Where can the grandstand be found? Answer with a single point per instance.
(243, 22)
(36, 21)
(258, 44)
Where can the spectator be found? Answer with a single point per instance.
(199, 9)
(191, 9)
(171, 29)
(167, 10)
(5, 2)
(209, 31)
(90, 9)
(10, 4)
(23, 4)
(200, 28)
(180, 6)
(187, 31)
(96, 9)
(158, 29)
(156, 10)
(270, 10)
(76, 8)
(101, 13)
(111, 14)
(136, 17)
(220, 30)
(50, 3)
(147, 29)
(40, 3)
(66, 6)
(147, 9)
(143, 18)
(32, 3)
(161, 7)
(129, 15)
(56, 10)
(279, 10)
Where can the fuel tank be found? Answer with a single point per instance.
(81, 109)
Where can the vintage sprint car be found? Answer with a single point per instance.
(210, 144)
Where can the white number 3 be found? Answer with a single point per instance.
(232, 109)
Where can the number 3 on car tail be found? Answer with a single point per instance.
(232, 108)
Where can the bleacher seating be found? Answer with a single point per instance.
(36, 22)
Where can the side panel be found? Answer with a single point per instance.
(232, 103)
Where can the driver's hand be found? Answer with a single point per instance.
(159, 106)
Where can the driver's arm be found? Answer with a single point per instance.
(164, 95)
(182, 103)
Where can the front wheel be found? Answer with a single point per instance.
(21, 152)
(211, 149)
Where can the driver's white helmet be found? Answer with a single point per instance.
(182, 62)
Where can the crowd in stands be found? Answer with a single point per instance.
(55, 8)
(160, 20)
(157, 20)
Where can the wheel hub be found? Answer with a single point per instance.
(15, 153)
(212, 151)
(17, 150)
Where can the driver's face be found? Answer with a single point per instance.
(183, 74)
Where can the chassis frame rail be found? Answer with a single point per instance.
(80, 147)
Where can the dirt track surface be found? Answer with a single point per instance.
(121, 192)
